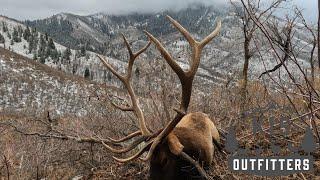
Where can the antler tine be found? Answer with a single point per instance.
(127, 149)
(122, 108)
(133, 58)
(113, 71)
(132, 135)
(196, 53)
(166, 55)
(131, 54)
(214, 33)
(143, 49)
(139, 153)
(127, 45)
(183, 31)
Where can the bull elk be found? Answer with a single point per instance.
(187, 135)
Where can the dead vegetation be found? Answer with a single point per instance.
(35, 147)
(31, 156)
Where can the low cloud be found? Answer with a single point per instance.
(38, 9)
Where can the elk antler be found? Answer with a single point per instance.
(186, 80)
(125, 79)
(185, 77)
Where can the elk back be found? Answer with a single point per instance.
(193, 135)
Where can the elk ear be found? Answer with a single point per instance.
(174, 144)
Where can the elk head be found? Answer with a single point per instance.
(185, 136)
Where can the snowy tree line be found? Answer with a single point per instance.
(41, 46)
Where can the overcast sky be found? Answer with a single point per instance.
(37, 9)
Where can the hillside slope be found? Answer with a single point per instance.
(26, 85)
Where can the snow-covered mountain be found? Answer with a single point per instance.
(37, 46)
(221, 59)
(85, 63)
(101, 29)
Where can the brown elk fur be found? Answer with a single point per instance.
(194, 135)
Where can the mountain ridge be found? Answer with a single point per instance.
(221, 60)
(105, 27)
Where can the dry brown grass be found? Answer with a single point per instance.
(72, 159)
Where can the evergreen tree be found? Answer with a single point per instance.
(82, 51)
(51, 50)
(42, 51)
(27, 34)
(42, 59)
(2, 40)
(54, 54)
(4, 27)
(31, 44)
(20, 31)
(42, 47)
(35, 56)
(66, 54)
(109, 77)
(15, 35)
(87, 73)
(34, 39)
(46, 36)
(9, 35)
(47, 52)
(51, 44)
(74, 68)
(137, 72)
